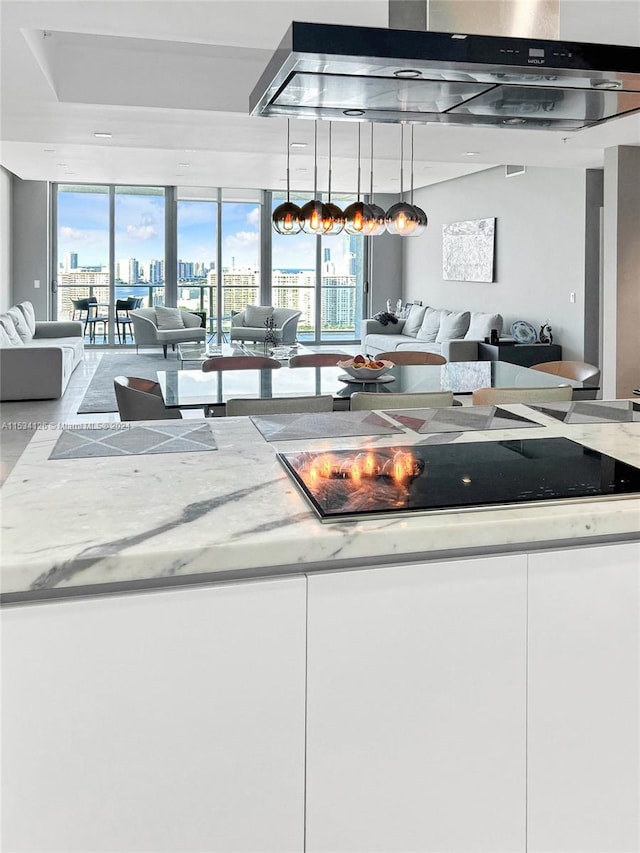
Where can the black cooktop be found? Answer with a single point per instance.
(353, 484)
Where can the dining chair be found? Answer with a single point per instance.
(86, 310)
(406, 356)
(141, 400)
(494, 396)
(123, 320)
(240, 362)
(279, 405)
(580, 371)
(367, 400)
(317, 359)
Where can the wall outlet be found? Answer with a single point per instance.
(572, 296)
(36, 283)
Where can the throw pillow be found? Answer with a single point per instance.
(414, 320)
(5, 340)
(453, 325)
(7, 324)
(20, 322)
(29, 315)
(256, 315)
(169, 318)
(481, 325)
(430, 325)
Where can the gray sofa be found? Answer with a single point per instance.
(37, 358)
(453, 334)
(249, 325)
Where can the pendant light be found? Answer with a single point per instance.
(401, 218)
(422, 216)
(335, 219)
(286, 217)
(356, 213)
(374, 223)
(314, 216)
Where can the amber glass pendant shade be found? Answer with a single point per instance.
(336, 220)
(375, 222)
(286, 217)
(356, 216)
(401, 219)
(314, 217)
(422, 221)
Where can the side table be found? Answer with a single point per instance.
(525, 355)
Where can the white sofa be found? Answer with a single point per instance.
(453, 334)
(37, 358)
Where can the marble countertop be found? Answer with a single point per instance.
(73, 524)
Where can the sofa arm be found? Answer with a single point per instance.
(31, 373)
(58, 329)
(289, 328)
(460, 350)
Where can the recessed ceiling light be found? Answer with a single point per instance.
(184, 165)
(62, 165)
(409, 73)
(49, 150)
(471, 153)
(103, 135)
(298, 145)
(353, 112)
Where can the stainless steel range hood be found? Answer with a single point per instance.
(382, 75)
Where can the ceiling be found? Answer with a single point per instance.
(171, 82)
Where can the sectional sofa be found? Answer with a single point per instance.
(37, 358)
(453, 334)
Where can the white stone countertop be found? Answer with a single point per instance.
(73, 524)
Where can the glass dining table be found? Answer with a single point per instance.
(192, 389)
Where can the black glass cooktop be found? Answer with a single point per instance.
(351, 484)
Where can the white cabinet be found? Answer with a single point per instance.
(167, 721)
(584, 714)
(416, 708)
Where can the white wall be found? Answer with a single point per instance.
(540, 227)
(5, 239)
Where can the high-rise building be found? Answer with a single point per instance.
(71, 261)
(156, 272)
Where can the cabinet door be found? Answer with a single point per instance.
(584, 717)
(416, 708)
(168, 721)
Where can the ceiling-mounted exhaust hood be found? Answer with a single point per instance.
(383, 75)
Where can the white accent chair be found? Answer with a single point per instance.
(147, 333)
(248, 325)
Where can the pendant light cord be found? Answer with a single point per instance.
(358, 161)
(411, 196)
(401, 161)
(329, 186)
(371, 183)
(315, 159)
(288, 156)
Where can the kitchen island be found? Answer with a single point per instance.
(433, 682)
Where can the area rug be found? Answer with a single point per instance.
(100, 396)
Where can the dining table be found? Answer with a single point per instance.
(193, 389)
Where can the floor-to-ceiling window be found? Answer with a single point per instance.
(111, 242)
(81, 260)
(139, 240)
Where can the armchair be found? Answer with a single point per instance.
(147, 332)
(248, 325)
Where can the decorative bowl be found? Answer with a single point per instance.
(365, 372)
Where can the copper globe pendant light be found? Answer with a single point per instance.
(286, 217)
(422, 216)
(335, 219)
(401, 218)
(357, 213)
(374, 224)
(314, 216)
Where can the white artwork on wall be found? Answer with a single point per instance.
(468, 250)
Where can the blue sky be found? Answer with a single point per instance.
(83, 227)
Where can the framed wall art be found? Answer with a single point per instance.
(468, 250)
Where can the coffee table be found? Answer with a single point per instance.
(199, 352)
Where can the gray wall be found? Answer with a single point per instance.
(385, 281)
(30, 228)
(540, 249)
(5, 239)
